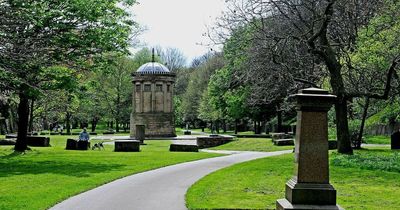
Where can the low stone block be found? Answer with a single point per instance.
(83, 145)
(277, 136)
(7, 142)
(212, 141)
(183, 148)
(38, 141)
(127, 146)
(72, 144)
(395, 140)
(284, 142)
(11, 136)
(187, 132)
(332, 144)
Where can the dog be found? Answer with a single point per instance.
(98, 146)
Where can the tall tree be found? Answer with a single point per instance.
(35, 35)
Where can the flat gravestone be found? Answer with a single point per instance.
(395, 140)
(127, 146)
(284, 142)
(83, 145)
(38, 141)
(183, 148)
(71, 144)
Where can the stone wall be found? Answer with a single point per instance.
(385, 130)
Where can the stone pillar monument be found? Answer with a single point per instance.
(310, 188)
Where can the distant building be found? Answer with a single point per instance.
(153, 100)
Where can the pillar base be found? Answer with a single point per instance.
(283, 204)
(310, 193)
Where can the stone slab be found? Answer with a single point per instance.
(7, 141)
(284, 142)
(283, 204)
(83, 145)
(71, 144)
(38, 141)
(183, 148)
(277, 136)
(127, 146)
(212, 141)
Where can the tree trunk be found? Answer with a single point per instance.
(236, 126)
(31, 116)
(279, 119)
(94, 124)
(68, 123)
(342, 126)
(116, 125)
(364, 117)
(23, 113)
(112, 124)
(224, 125)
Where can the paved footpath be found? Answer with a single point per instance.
(163, 188)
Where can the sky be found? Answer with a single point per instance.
(177, 23)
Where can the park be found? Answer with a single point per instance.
(276, 104)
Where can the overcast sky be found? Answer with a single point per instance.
(177, 23)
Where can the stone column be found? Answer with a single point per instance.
(309, 188)
(140, 133)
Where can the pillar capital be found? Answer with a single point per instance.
(314, 99)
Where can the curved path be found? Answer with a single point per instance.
(163, 188)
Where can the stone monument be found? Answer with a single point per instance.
(152, 100)
(310, 187)
(395, 140)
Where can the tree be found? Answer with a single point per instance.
(172, 58)
(35, 35)
(197, 84)
(324, 31)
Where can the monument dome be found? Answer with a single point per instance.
(153, 68)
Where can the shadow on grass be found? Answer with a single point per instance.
(12, 167)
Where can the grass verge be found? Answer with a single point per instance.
(252, 144)
(42, 177)
(258, 184)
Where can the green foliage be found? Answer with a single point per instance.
(382, 160)
(198, 82)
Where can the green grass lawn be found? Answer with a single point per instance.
(377, 139)
(252, 144)
(42, 177)
(364, 181)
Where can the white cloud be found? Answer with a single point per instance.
(177, 23)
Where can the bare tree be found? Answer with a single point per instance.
(304, 36)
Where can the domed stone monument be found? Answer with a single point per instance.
(152, 104)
